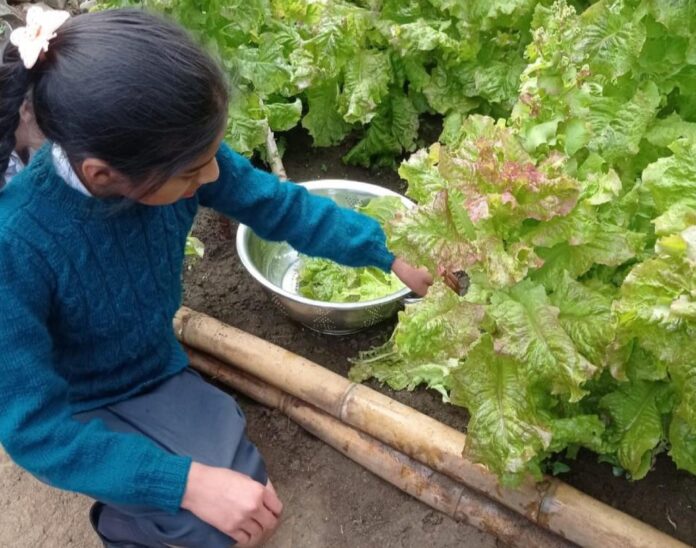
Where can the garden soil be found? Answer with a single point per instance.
(329, 500)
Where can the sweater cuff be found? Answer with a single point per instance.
(163, 482)
(384, 259)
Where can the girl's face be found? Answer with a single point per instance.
(185, 184)
(102, 181)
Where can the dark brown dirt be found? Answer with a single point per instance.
(330, 500)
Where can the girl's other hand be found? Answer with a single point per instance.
(418, 280)
(233, 503)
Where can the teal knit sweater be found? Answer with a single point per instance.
(88, 290)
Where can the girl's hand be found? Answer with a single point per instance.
(418, 280)
(233, 503)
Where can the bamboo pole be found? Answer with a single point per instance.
(550, 503)
(434, 489)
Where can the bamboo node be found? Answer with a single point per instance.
(341, 411)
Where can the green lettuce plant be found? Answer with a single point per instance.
(575, 221)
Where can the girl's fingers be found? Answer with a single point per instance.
(253, 528)
(266, 519)
(241, 536)
(271, 500)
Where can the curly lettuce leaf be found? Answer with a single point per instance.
(443, 325)
(670, 180)
(616, 123)
(325, 280)
(613, 247)
(613, 36)
(323, 121)
(501, 190)
(451, 89)
(636, 428)
(501, 184)
(388, 365)
(436, 234)
(676, 218)
(496, 74)
(500, 264)
(283, 116)
(530, 330)
(678, 16)
(248, 127)
(421, 173)
(682, 436)
(506, 431)
(575, 94)
(553, 82)
(666, 131)
(432, 336)
(427, 36)
(586, 315)
(195, 249)
(498, 13)
(660, 292)
(601, 188)
(580, 430)
(480, 189)
(263, 66)
(577, 242)
(394, 129)
(383, 209)
(366, 84)
(682, 430)
(645, 366)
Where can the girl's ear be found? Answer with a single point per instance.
(100, 178)
(28, 134)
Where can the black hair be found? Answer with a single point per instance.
(14, 84)
(124, 86)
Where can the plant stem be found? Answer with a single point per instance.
(274, 159)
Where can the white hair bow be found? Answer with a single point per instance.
(41, 28)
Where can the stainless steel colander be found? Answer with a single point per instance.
(275, 266)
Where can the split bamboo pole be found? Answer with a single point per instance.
(434, 489)
(551, 503)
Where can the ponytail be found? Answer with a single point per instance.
(14, 86)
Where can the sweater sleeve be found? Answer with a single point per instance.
(288, 212)
(36, 425)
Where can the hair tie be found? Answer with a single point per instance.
(41, 28)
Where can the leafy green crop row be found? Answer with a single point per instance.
(575, 220)
(371, 66)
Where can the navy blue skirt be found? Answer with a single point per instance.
(186, 416)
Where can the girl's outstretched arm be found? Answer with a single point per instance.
(288, 212)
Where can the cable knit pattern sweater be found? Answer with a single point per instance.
(88, 291)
